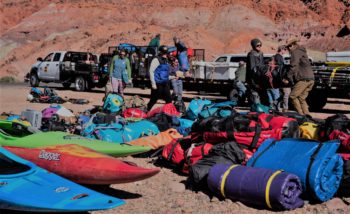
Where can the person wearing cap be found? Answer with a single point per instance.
(301, 74)
(255, 64)
(120, 72)
(182, 55)
(159, 76)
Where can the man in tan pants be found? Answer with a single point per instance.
(302, 75)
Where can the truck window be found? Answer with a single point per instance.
(221, 59)
(57, 57)
(48, 58)
(238, 59)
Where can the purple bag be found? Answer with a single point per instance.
(256, 186)
(48, 112)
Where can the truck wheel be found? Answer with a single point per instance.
(233, 95)
(80, 83)
(317, 99)
(34, 80)
(66, 85)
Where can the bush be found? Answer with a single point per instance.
(7, 79)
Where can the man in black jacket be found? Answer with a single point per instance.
(302, 75)
(281, 67)
(255, 64)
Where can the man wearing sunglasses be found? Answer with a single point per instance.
(302, 75)
(255, 64)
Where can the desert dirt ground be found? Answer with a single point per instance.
(166, 192)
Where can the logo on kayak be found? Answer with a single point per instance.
(49, 155)
(61, 189)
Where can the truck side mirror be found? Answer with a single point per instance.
(40, 59)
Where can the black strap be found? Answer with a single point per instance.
(261, 153)
(230, 136)
(172, 150)
(256, 137)
(312, 159)
(269, 118)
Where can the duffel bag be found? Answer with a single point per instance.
(194, 154)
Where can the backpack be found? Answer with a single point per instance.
(174, 152)
(168, 109)
(135, 102)
(195, 107)
(164, 121)
(113, 103)
(161, 74)
(180, 106)
(336, 122)
(36, 92)
(344, 188)
(134, 114)
(221, 111)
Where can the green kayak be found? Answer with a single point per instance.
(41, 139)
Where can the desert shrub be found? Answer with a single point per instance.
(7, 79)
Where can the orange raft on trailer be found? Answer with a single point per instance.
(83, 165)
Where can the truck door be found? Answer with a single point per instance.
(54, 68)
(43, 70)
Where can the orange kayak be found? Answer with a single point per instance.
(83, 165)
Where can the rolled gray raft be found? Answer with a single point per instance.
(276, 190)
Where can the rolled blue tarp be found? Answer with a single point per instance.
(274, 189)
(317, 165)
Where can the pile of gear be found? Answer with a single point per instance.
(275, 160)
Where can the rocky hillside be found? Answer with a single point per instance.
(32, 28)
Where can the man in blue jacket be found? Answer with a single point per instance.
(159, 76)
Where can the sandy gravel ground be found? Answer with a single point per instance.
(167, 191)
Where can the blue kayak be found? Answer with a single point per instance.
(27, 187)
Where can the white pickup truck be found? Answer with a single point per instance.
(67, 67)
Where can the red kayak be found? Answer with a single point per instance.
(83, 165)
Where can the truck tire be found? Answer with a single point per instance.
(34, 79)
(233, 95)
(317, 99)
(66, 85)
(80, 83)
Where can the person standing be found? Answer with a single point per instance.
(175, 78)
(240, 79)
(255, 64)
(302, 75)
(281, 50)
(181, 50)
(159, 76)
(120, 72)
(154, 44)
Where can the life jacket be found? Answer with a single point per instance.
(161, 74)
